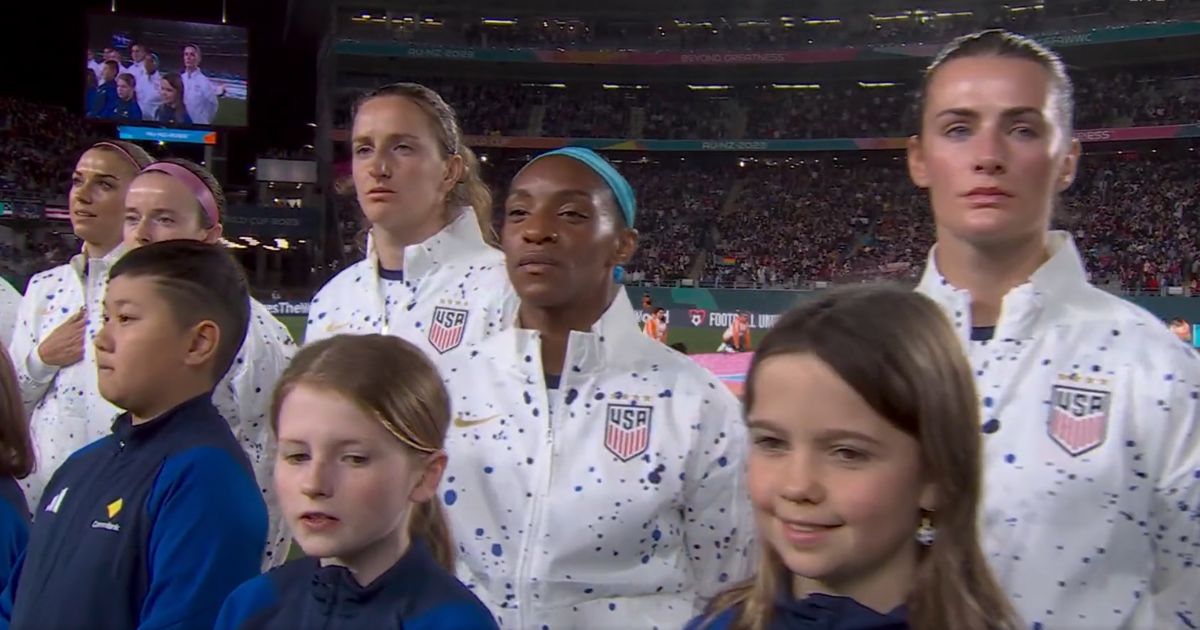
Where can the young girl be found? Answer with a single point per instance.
(16, 462)
(179, 199)
(172, 110)
(596, 476)
(864, 474)
(1089, 406)
(52, 347)
(361, 422)
(431, 275)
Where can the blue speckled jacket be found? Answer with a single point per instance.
(455, 291)
(616, 500)
(66, 409)
(1091, 514)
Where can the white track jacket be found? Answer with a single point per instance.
(617, 500)
(455, 292)
(65, 406)
(10, 303)
(1091, 514)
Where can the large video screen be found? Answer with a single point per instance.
(164, 72)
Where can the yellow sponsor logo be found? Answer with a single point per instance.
(114, 508)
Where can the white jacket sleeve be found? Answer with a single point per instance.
(718, 521)
(1174, 525)
(10, 303)
(33, 375)
(244, 397)
(208, 92)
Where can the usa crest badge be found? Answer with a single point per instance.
(448, 328)
(627, 432)
(1079, 415)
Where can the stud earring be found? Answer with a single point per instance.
(926, 532)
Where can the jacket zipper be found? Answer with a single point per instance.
(545, 476)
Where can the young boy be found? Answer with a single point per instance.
(155, 524)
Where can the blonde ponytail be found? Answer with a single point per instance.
(428, 522)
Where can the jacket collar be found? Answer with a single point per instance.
(125, 431)
(462, 236)
(82, 264)
(336, 588)
(609, 343)
(1024, 307)
(833, 613)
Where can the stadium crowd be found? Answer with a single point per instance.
(704, 221)
(32, 162)
(1140, 96)
(764, 33)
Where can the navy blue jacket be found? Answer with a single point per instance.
(415, 594)
(14, 526)
(104, 101)
(126, 110)
(150, 527)
(815, 612)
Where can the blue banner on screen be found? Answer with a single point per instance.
(181, 74)
(158, 134)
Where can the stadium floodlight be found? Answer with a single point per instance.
(796, 86)
(282, 243)
(498, 22)
(708, 87)
(877, 84)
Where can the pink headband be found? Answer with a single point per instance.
(119, 149)
(201, 190)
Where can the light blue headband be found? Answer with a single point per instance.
(622, 191)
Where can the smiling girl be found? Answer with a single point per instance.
(864, 474)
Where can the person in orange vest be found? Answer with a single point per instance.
(656, 325)
(737, 336)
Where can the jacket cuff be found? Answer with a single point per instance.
(39, 370)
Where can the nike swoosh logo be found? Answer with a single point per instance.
(332, 328)
(466, 424)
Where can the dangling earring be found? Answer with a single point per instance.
(926, 532)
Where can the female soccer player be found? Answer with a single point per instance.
(177, 199)
(864, 473)
(1089, 406)
(596, 476)
(430, 275)
(361, 422)
(60, 314)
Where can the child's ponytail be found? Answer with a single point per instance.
(428, 522)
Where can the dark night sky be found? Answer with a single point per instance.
(45, 41)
